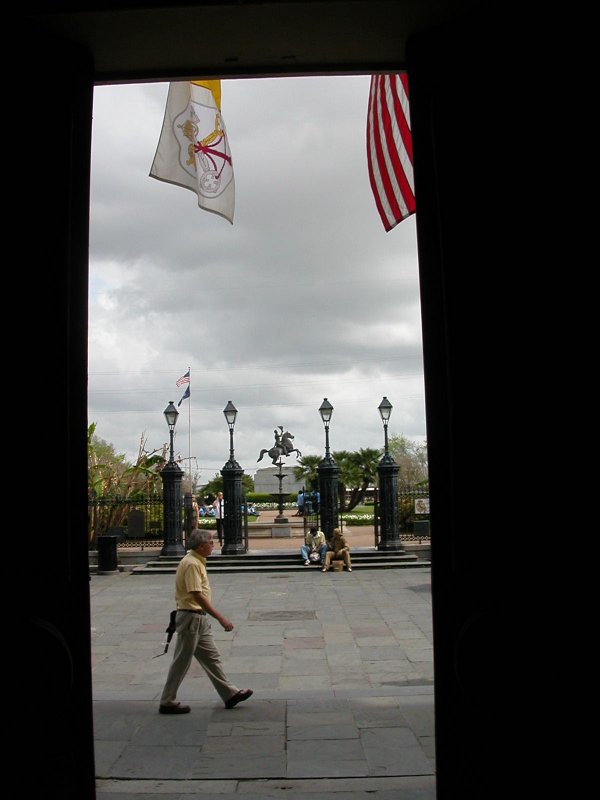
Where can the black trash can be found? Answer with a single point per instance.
(107, 553)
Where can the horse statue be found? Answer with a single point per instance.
(282, 448)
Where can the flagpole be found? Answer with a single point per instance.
(190, 431)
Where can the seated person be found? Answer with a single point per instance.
(338, 549)
(314, 543)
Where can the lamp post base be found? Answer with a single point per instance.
(391, 545)
(173, 550)
(234, 549)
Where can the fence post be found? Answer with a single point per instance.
(171, 476)
(376, 517)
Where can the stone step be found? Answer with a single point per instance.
(288, 562)
(233, 568)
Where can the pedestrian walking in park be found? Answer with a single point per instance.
(194, 634)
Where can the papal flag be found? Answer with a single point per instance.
(389, 148)
(193, 149)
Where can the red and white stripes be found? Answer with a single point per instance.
(389, 148)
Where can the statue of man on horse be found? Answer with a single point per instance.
(282, 448)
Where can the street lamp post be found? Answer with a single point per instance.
(171, 475)
(388, 489)
(328, 472)
(233, 543)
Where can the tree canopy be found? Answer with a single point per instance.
(358, 470)
(109, 474)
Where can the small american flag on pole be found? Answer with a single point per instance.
(389, 149)
(184, 379)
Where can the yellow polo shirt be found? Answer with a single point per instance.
(191, 576)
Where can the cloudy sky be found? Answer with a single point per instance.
(305, 296)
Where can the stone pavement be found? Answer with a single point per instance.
(342, 672)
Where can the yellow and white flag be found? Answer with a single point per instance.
(193, 149)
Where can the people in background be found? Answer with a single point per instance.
(219, 509)
(316, 500)
(300, 503)
(195, 513)
(308, 507)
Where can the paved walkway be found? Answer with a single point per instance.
(357, 535)
(341, 667)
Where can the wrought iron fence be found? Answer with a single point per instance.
(139, 522)
(413, 513)
(136, 522)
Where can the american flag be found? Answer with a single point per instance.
(184, 379)
(389, 148)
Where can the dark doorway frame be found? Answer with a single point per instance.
(459, 152)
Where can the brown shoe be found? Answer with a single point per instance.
(174, 709)
(239, 697)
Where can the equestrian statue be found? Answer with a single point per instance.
(282, 448)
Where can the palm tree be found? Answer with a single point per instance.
(307, 471)
(357, 471)
(346, 476)
(363, 470)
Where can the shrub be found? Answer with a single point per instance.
(358, 519)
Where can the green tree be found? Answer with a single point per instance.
(110, 475)
(357, 471)
(363, 471)
(411, 457)
(215, 485)
(306, 472)
(347, 475)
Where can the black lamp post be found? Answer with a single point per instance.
(233, 540)
(328, 478)
(171, 475)
(388, 489)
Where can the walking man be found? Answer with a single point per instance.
(194, 635)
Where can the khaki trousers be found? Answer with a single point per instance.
(344, 554)
(195, 640)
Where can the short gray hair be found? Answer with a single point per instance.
(198, 537)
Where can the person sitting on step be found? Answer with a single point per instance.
(339, 550)
(314, 547)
